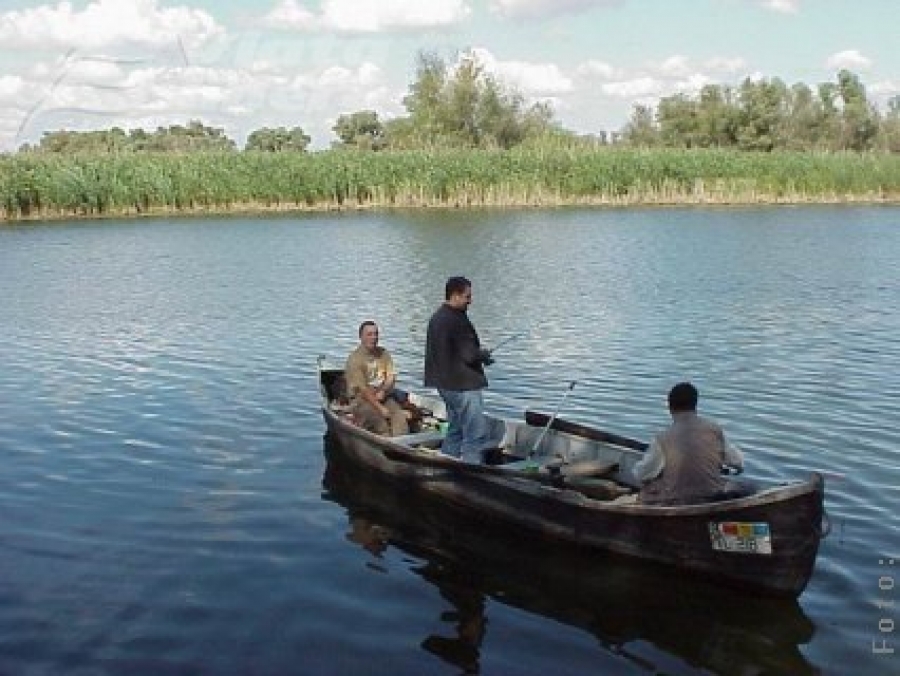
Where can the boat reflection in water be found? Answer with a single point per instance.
(635, 610)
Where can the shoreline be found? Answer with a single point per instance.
(257, 209)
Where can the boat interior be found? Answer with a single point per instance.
(599, 469)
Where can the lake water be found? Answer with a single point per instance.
(164, 501)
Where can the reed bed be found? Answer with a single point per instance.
(53, 186)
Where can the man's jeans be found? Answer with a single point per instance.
(467, 430)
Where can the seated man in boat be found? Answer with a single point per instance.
(684, 463)
(370, 376)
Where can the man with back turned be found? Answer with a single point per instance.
(454, 364)
(684, 463)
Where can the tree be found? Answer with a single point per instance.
(763, 105)
(717, 117)
(678, 118)
(361, 130)
(890, 127)
(425, 100)
(278, 140)
(859, 119)
(465, 108)
(641, 129)
(804, 125)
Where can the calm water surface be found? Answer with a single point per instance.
(167, 505)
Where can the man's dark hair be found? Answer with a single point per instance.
(456, 285)
(683, 397)
(366, 323)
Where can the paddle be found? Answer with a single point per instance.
(537, 419)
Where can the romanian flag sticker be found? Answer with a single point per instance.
(740, 537)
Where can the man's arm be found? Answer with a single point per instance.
(358, 385)
(734, 457)
(651, 465)
(390, 375)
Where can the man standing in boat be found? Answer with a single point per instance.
(684, 463)
(370, 376)
(454, 364)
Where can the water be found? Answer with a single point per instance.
(162, 505)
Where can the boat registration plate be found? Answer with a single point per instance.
(740, 537)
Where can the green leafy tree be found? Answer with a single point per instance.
(889, 137)
(804, 125)
(679, 121)
(641, 129)
(763, 106)
(465, 108)
(278, 140)
(717, 114)
(859, 119)
(362, 130)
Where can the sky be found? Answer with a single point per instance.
(241, 66)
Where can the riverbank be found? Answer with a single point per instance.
(44, 187)
(259, 209)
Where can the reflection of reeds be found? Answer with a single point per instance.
(46, 186)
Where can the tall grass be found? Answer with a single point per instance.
(46, 186)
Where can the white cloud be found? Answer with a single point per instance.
(724, 64)
(883, 91)
(594, 68)
(692, 84)
(675, 66)
(81, 94)
(531, 79)
(676, 73)
(782, 6)
(638, 87)
(538, 9)
(10, 86)
(850, 59)
(106, 23)
(368, 16)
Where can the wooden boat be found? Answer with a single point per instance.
(563, 482)
(626, 607)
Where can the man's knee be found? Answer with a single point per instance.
(399, 424)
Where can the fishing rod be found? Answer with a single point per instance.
(516, 336)
(552, 419)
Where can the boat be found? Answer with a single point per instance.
(633, 611)
(564, 482)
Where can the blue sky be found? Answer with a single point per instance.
(93, 64)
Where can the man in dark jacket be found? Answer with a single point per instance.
(454, 364)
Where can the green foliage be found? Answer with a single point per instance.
(765, 115)
(174, 139)
(558, 169)
(362, 130)
(468, 108)
(278, 140)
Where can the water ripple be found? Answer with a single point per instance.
(161, 509)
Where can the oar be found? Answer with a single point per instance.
(552, 418)
(538, 419)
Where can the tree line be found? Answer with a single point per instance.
(767, 115)
(466, 107)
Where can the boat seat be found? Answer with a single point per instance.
(426, 438)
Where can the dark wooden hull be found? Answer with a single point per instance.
(678, 537)
(625, 604)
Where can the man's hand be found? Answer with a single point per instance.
(485, 356)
